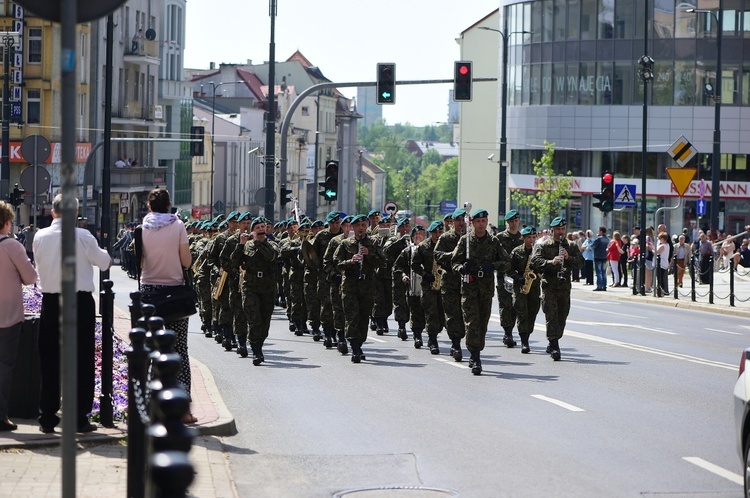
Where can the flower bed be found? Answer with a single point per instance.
(32, 303)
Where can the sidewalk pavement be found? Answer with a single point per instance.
(721, 301)
(31, 466)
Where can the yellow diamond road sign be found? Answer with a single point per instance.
(682, 151)
(681, 178)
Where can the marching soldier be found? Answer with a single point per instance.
(411, 282)
(334, 277)
(450, 287)
(448, 222)
(425, 264)
(526, 286)
(289, 234)
(373, 217)
(320, 244)
(290, 252)
(310, 279)
(510, 238)
(357, 259)
(202, 272)
(222, 311)
(554, 259)
(259, 261)
(383, 306)
(278, 231)
(393, 247)
(485, 256)
(230, 262)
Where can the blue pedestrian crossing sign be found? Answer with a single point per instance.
(700, 207)
(625, 195)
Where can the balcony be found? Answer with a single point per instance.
(135, 179)
(142, 51)
(135, 112)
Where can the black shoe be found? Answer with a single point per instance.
(316, 334)
(525, 348)
(242, 351)
(7, 425)
(554, 350)
(342, 348)
(456, 352)
(328, 343)
(218, 337)
(476, 366)
(549, 347)
(208, 333)
(86, 427)
(433, 345)
(508, 340)
(356, 358)
(257, 354)
(373, 326)
(227, 344)
(402, 333)
(50, 429)
(418, 340)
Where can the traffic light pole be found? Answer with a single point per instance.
(320, 86)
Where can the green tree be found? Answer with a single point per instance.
(431, 157)
(554, 189)
(363, 202)
(447, 180)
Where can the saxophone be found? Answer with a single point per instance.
(437, 272)
(528, 276)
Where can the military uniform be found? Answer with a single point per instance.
(450, 289)
(412, 291)
(486, 255)
(555, 284)
(526, 305)
(231, 263)
(393, 248)
(357, 288)
(202, 272)
(504, 298)
(320, 245)
(334, 278)
(425, 264)
(259, 261)
(290, 253)
(383, 306)
(222, 313)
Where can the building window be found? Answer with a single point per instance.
(33, 106)
(35, 46)
(305, 110)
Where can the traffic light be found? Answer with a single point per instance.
(331, 184)
(386, 83)
(196, 144)
(17, 196)
(462, 80)
(286, 195)
(606, 196)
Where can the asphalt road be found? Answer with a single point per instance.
(639, 405)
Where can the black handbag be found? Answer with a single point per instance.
(172, 303)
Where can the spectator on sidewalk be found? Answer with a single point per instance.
(682, 256)
(706, 252)
(600, 245)
(28, 241)
(623, 263)
(48, 252)
(650, 259)
(588, 258)
(727, 251)
(614, 251)
(17, 270)
(745, 254)
(662, 271)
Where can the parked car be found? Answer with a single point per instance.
(741, 416)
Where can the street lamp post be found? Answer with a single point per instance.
(716, 154)
(9, 38)
(503, 162)
(214, 86)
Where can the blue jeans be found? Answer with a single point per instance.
(601, 273)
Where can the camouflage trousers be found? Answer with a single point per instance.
(357, 299)
(296, 300)
(400, 303)
(312, 301)
(326, 310)
(337, 305)
(239, 320)
(454, 319)
(223, 311)
(432, 305)
(556, 306)
(383, 298)
(258, 308)
(416, 313)
(476, 303)
(203, 289)
(507, 310)
(527, 308)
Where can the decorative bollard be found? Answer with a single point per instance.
(731, 281)
(711, 279)
(138, 418)
(692, 278)
(135, 308)
(107, 310)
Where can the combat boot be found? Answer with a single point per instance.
(475, 363)
(417, 339)
(316, 333)
(257, 354)
(342, 343)
(282, 301)
(228, 338)
(402, 330)
(554, 348)
(379, 328)
(356, 351)
(433, 344)
(525, 348)
(373, 325)
(242, 347)
(299, 327)
(328, 341)
(292, 325)
(508, 338)
(217, 333)
(456, 352)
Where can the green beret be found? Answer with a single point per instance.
(233, 216)
(359, 217)
(257, 221)
(291, 222)
(333, 216)
(435, 225)
(418, 228)
(447, 217)
(223, 225)
(305, 224)
(347, 219)
(459, 213)
(479, 213)
(317, 223)
(219, 217)
(374, 212)
(245, 216)
(404, 221)
(385, 220)
(528, 231)
(276, 225)
(558, 222)
(511, 215)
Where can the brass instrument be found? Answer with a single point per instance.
(467, 221)
(437, 272)
(220, 283)
(415, 279)
(308, 252)
(528, 277)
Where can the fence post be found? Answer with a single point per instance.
(107, 303)
(135, 308)
(711, 279)
(137, 355)
(692, 277)
(675, 269)
(636, 277)
(731, 281)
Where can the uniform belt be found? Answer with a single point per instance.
(481, 274)
(258, 274)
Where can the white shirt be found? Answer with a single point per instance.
(48, 257)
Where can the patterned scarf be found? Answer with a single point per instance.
(155, 221)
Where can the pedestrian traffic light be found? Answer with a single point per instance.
(331, 184)
(462, 81)
(286, 195)
(17, 196)
(196, 141)
(606, 196)
(386, 83)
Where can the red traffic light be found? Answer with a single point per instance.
(607, 178)
(463, 70)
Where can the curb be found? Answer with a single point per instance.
(225, 424)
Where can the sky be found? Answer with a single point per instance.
(345, 39)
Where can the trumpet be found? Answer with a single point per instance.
(467, 220)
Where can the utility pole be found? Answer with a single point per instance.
(270, 159)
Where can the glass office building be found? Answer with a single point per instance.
(573, 80)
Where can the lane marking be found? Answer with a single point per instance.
(745, 326)
(575, 300)
(559, 403)
(723, 331)
(452, 363)
(629, 315)
(623, 325)
(376, 340)
(715, 469)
